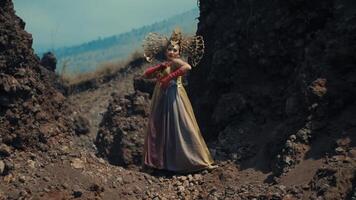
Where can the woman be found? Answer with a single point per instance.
(173, 140)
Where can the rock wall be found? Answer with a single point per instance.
(277, 81)
(120, 138)
(31, 111)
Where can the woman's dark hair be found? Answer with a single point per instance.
(161, 56)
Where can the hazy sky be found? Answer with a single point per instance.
(56, 23)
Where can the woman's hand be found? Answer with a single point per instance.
(154, 69)
(166, 63)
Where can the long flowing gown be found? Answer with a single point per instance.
(173, 140)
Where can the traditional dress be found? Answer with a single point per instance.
(173, 140)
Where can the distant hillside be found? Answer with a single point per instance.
(87, 56)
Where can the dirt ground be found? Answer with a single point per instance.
(71, 170)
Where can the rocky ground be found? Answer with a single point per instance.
(71, 169)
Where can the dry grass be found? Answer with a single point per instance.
(104, 69)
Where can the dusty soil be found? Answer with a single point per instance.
(71, 170)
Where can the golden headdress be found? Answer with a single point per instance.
(191, 47)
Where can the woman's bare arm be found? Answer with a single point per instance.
(186, 66)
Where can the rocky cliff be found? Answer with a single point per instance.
(31, 110)
(277, 83)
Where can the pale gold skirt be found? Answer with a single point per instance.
(173, 140)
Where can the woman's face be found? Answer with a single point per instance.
(172, 51)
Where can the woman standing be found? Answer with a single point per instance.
(173, 140)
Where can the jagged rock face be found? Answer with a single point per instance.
(278, 76)
(120, 137)
(30, 109)
(81, 125)
(144, 85)
(49, 61)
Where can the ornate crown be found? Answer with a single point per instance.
(191, 47)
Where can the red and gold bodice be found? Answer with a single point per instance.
(170, 69)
